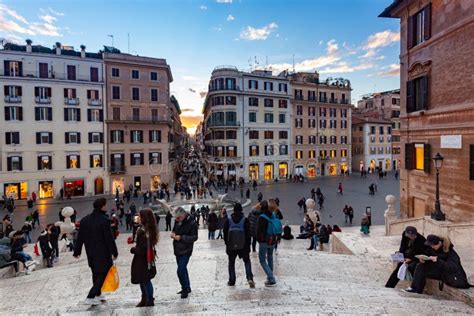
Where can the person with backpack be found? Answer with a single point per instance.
(268, 230)
(237, 240)
(253, 218)
(273, 206)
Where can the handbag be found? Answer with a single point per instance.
(402, 272)
(112, 280)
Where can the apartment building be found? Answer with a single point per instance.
(247, 128)
(320, 125)
(437, 105)
(139, 121)
(371, 144)
(52, 130)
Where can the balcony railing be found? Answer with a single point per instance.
(43, 100)
(117, 169)
(299, 97)
(333, 100)
(225, 88)
(53, 75)
(12, 99)
(223, 124)
(94, 102)
(344, 101)
(323, 99)
(71, 101)
(312, 99)
(142, 119)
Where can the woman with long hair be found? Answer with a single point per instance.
(143, 263)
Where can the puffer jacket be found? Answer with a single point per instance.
(188, 231)
(253, 218)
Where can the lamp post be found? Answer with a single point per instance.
(437, 214)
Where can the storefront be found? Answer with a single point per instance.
(118, 183)
(283, 170)
(74, 187)
(155, 182)
(268, 171)
(333, 169)
(299, 169)
(98, 186)
(372, 165)
(344, 168)
(311, 171)
(387, 164)
(45, 189)
(137, 183)
(253, 171)
(18, 190)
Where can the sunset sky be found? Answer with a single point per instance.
(338, 38)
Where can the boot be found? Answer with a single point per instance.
(150, 303)
(142, 302)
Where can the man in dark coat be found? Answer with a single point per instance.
(101, 250)
(239, 224)
(253, 218)
(412, 244)
(184, 234)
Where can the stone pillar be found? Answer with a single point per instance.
(390, 213)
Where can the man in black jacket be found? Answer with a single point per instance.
(265, 250)
(237, 242)
(184, 234)
(101, 250)
(412, 244)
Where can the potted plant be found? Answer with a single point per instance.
(28, 41)
(83, 47)
(58, 45)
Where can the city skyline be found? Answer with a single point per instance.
(225, 32)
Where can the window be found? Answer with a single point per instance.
(311, 95)
(299, 110)
(268, 117)
(267, 85)
(332, 112)
(343, 124)
(299, 123)
(343, 139)
(116, 113)
(419, 27)
(299, 139)
(154, 95)
(311, 123)
(323, 154)
(136, 136)
(155, 158)
(322, 112)
(95, 115)
(333, 139)
(253, 101)
(230, 100)
(298, 94)
(72, 138)
(312, 139)
(96, 138)
(231, 135)
(73, 162)
(12, 94)
(13, 68)
(252, 117)
(12, 138)
(45, 162)
(71, 72)
(283, 149)
(231, 151)
(95, 161)
(230, 118)
(372, 130)
(13, 113)
(135, 74)
(116, 136)
(282, 87)
(282, 104)
(418, 156)
(136, 114)
(311, 111)
(44, 138)
(43, 95)
(283, 135)
(268, 103)
(43, 70)
(312, 154)
(282, 118)
(72, 115)
(343, 112)
(218, 101)
(136, 159)
(43, 114)
(381, 130)
(94, 74)
(417, 94)
(253, 150)
(14, 163)
(333, 153)
(116, 92)
(268, 134)
(322, 123)
(253, 84)
(333, 123)
(269, 150)
(135, 94)
(323, 139)
(299, 154)
(154, 136)
(253, 135)
(471, 162)
(93, 95)
(343, 152)
(154, 76)
(115, 72)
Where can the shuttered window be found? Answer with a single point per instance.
(471, 162)
(419, 27)
(418, 157)
(418, 94)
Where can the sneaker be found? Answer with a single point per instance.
(101, 297)
(270, 283)
(20, 273)
(181, 292)
(231, 283)
(92, 301)
(185, 294)
(409, 290)
(251, 284)
(28, 271)
(29, 263)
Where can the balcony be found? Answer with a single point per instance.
(223, 124)
(141, 119)
(54, 75)
(225, 88)
(333, 100)
(117, 169)
(94, 102)
(344, 101)
(43, 100)
(312, 99)
(299, 97)
(71, 101)
(323, 99)
(12, 99)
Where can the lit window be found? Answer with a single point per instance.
(419, 156)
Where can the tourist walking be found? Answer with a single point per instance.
(339, 188)
(212, 225)
(345, 210)
(237, 241)
(266, 243)
(253, 218)
(221, 222)
(184, 234)
(168, 220)
(143, 263)
(95, 234)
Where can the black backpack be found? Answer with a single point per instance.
(236, 237)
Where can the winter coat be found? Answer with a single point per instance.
(5, 251)
(221, 221)
(412, 248)
(188, 231)
(253, 218)
(168, 217)
(236, 218)
(140, 271)
(212, 222)
(44, 245)
(262, 226)
(96, 235)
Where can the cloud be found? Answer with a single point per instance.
(217, 28)
(230, 17)
(369, 54)
(12, 38)
(45, 29)
(12, 13)
(391, 70)
(189, 78)
(203, 7)
(224, 1)
(203, 94)
(381, 39)
(55, 12)
(344, 67)
(12, 26)
(48, 18)
(187, 110)
(255, 34)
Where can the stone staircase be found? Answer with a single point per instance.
(309, 282)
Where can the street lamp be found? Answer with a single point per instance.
(437, 214)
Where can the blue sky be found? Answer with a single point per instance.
(338, 38)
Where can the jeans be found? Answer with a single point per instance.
(248, 267)
(183, 275)
(28, 237)
(211, 235)
(265, 256)
(147, 291)
(98, 279)
(346, 218)
(254, 243)
(35, 221)
(21, 256)
(314, 242)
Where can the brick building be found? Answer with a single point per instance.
(437, 105)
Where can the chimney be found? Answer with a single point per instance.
(83, 51)
(58, 48)
(29, 49)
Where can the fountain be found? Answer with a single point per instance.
(162, 206)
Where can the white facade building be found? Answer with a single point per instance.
(52, 131)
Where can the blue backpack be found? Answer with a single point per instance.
(274, 229)
(236, 236)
